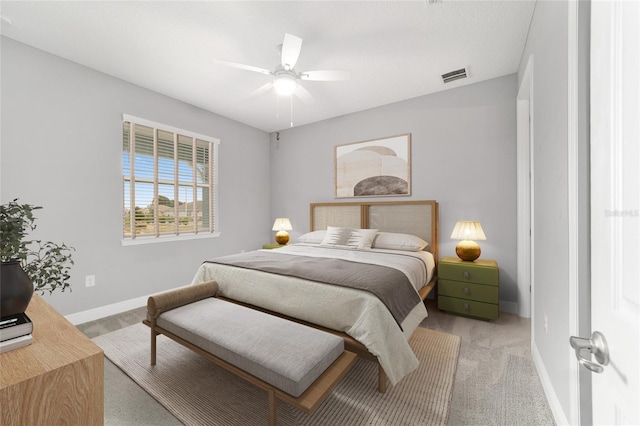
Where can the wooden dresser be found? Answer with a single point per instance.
(58, 379)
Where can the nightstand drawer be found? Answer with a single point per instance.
(468, 307)
(471, 291)
(474, 272)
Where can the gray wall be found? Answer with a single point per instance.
(61, 149)
(463, 155)
(548, 43)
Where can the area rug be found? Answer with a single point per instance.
(198, 392)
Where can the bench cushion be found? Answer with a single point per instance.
(285, 354)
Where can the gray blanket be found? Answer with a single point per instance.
(390, 285)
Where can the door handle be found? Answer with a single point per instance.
(597, 345)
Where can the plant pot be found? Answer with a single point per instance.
(16, 289)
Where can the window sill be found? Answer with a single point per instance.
(167, 238)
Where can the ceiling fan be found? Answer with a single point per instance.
(286, 77)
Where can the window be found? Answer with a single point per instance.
(169, 182)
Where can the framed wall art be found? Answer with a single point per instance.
(374, 168)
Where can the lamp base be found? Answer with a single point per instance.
(282, 237)
(468, 250)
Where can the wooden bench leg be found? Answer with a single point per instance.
(153, 346)
(382, 380)
(273, 406)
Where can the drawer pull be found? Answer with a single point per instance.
(466, 306)
(466, 290)
(467, 274)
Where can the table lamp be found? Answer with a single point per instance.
(468, 231)
(282, 225)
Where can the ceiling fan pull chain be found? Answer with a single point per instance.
(291, 100)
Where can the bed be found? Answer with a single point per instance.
(375, 328)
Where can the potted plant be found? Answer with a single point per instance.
(28, 264)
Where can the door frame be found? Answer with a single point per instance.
(573, 205)
(524, 122)
(579, 203)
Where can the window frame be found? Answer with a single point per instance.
(213, 178)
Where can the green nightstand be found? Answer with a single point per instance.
(469, 288)
(271, 246)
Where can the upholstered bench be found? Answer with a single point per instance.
(292, 362)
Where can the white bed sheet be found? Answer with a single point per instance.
(358, 313)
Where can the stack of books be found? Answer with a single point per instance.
(15, 332)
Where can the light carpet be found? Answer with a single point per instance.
(198, 392)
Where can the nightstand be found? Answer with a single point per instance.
(469, 288)
(272, 246)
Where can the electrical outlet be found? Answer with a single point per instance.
(90, 280)
(546, 324)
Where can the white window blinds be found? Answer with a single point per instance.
(168, 177)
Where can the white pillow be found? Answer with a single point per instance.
(336, 236)
(314, 237)
(362, 238)
(394, 241)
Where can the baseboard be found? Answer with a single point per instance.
(108, 310)
(552, 398)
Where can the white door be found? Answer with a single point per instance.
(615, 208)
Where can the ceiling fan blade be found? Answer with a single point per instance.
(326, 75)
(290, 50)
(304, 95)
(260, 90)
(242, 66)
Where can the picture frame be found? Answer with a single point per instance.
(373, 168)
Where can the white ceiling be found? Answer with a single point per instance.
(395, 50)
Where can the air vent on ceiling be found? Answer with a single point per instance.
(454, 75)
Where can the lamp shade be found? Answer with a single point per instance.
(282, 224)
(468, 230)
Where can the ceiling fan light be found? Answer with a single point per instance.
(285, 84)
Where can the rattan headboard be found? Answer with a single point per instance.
(418, 218)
